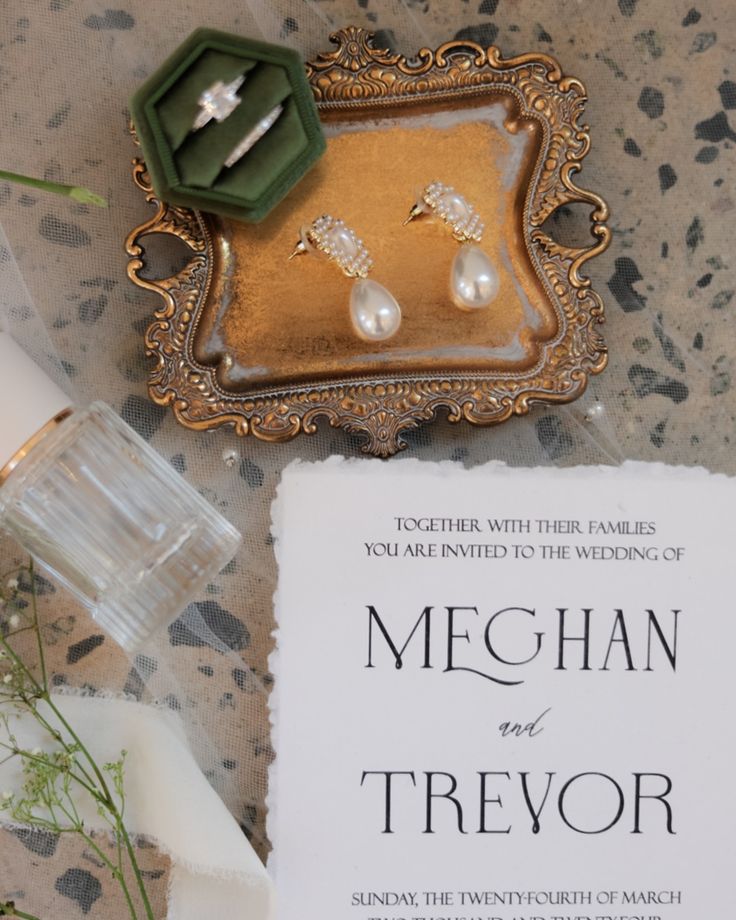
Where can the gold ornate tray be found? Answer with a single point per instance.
(243, 340)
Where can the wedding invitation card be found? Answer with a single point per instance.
(503, 694)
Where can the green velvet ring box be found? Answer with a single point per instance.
(188, 166)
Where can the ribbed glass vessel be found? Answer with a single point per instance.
(104, 513)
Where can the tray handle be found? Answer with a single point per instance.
(168, 220)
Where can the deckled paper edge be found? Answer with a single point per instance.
(355, 466)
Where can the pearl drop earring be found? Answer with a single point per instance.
(374, 312)
(474, 282)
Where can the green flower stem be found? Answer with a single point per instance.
(8, 909)
(109, 803)
(75, 192)
(119, 848)
(34, 613)
(73, 763)
(117, 871)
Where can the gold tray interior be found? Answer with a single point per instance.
(270, 322)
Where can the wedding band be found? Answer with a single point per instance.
(217, 102)
(253, 136)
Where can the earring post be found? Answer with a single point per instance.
(415, 212)
(299, 250)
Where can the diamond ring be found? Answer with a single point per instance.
(217, 102)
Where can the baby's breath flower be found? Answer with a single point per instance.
(55, 774)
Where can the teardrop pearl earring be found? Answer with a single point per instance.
(374, 312)
(474, 282)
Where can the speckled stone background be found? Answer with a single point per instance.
(662, 84)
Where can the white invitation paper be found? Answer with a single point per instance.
(503, 694)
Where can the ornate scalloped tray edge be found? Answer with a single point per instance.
(351, 76)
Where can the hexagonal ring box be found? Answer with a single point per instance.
(228, 125)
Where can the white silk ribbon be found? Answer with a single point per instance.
(214, 870)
